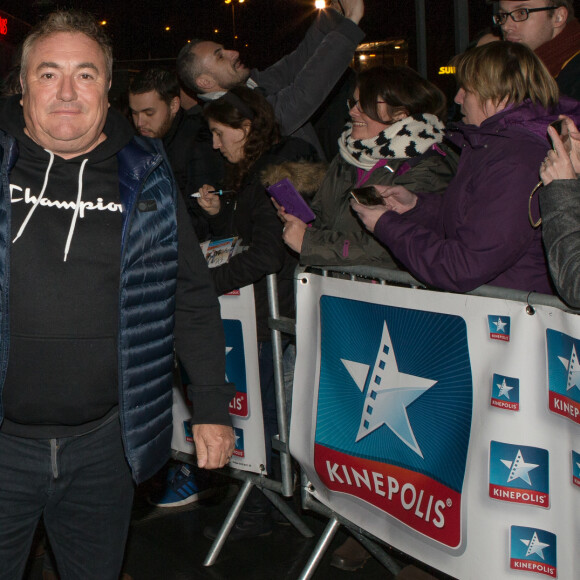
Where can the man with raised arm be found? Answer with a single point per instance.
(298, 83)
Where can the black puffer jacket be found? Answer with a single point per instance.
(250, 215)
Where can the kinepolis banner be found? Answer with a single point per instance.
(446, 425)
(239, 320)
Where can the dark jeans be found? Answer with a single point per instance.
(83, 488)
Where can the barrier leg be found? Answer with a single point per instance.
(375, 549)
(289, 514)
(321, 547)
(285, 460)
(377, 552)
(222, 536)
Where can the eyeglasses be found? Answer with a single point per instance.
(519, 15)
(352, 103)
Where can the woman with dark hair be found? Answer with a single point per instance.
(395, 137)
(246, 133)
(480, 231)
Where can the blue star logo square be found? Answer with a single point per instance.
(395, 400)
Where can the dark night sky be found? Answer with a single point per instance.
(271, 28)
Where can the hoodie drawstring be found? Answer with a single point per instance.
(37, 203)
(40, 196)
(77, 209)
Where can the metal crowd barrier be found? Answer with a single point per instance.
(270, 487)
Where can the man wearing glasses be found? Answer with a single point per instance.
(549, 28)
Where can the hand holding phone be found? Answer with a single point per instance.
(290, 199)
(561, 128)
(561, 162)
(367, 195)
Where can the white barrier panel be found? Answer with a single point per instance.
(239, 320)
(446, 425)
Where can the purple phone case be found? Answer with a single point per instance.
(287, 196)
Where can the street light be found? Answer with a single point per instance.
(234, 16)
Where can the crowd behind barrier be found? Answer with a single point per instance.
(456, 242)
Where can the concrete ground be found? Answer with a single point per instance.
(168, 544)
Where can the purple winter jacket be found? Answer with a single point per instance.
(478, 231)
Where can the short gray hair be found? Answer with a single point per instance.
(73, 22)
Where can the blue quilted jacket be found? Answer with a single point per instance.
(147, 306)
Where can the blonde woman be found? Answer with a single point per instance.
(479, 231)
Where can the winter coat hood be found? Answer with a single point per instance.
(528, 117)
(306, 176)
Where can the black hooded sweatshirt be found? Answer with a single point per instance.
(62, 377)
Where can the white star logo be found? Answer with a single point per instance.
(535, 546)
(500, 325)
(519, 469)
(573, 368)
(504, 390)
(389, 394)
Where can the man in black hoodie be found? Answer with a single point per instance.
(92, 294)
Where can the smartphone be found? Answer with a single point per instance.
(367, 195)
(289, 197)
(562, 129)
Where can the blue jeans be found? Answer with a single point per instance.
(83, 488)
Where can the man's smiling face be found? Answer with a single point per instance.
(65, 90)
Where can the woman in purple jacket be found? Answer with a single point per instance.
(479, 231)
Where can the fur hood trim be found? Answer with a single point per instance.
(305, 176)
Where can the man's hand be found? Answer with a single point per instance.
(214, 445)
(353, 9)
(336, 5)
